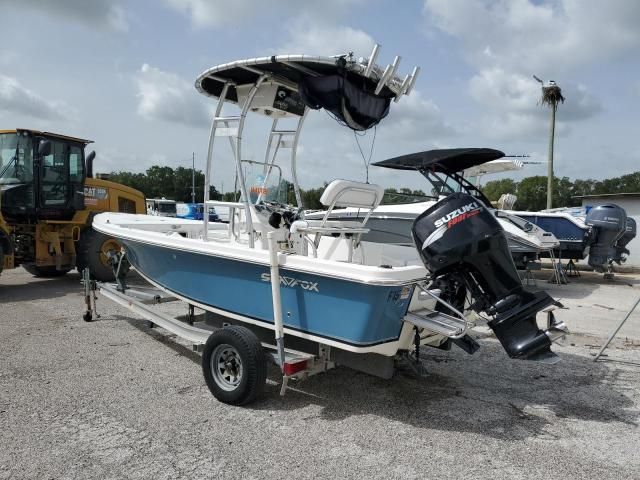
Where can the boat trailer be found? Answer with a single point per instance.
(299, 360)
(143, 302)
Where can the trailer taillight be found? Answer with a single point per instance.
(291, 368)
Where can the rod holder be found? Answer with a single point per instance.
(372, 60)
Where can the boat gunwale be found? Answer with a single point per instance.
(259, 256)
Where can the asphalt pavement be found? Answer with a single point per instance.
(115, 399)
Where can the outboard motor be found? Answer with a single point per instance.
(621, 245)
(609, 223)
(460, 241)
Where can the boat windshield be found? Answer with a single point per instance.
(16, 159)
(393, 198)
(443, 184)
(265, 182)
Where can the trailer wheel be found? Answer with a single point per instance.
(92, 248)
(234, 365)
(45, 272)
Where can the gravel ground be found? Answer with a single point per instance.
(113, 399)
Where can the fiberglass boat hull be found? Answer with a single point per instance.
(349, 312)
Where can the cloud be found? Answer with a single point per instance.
(213, 13)
(102, 13)
(511, 103)
(416, 119)
(222, 13)
(327, 39)
(167, 96)
(18, 99)
(8, 57)
(538, 37)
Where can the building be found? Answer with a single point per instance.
(631, 203)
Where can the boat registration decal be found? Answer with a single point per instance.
(404, 294)
(292, 282)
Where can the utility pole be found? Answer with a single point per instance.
(552, 136)
(193, 177)
(551, 95)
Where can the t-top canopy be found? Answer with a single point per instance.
(290, 70)
(448, 160)
(494, 166)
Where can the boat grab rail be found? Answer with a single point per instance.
(233, 207)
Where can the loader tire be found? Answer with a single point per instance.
(91, 254)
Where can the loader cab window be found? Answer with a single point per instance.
(55, 174)
(76, 164)
(62, 174)
(16, 159)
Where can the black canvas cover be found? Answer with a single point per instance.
(358, 108)
(448, 160)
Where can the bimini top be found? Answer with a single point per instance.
(290, 70)
(448, 160)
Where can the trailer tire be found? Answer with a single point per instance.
(91, 248)
(45, 272)
(1, 258)
(234, 365)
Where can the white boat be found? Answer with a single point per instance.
(445, 171)
(314, 284)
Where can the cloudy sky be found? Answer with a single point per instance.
(122, 72)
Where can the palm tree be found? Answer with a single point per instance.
(551, 95)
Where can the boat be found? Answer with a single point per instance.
(195, 211)
(310, 283)
(445, 171)
(599, 234)
(161, 207)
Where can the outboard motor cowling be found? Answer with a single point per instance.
(459, 240)
(609, 224)
(621, 245)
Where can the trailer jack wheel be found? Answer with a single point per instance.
(234, 365)
(87, 317)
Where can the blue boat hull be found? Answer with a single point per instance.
(573, 239)
(350, 312)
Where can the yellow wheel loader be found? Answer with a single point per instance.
(48, 198)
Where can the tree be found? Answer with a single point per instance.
(311, 198)
(531, 193)
(133, 180)
(160, 182)
(494, 189)
(583, 187)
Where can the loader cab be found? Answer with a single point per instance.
(42, 175)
